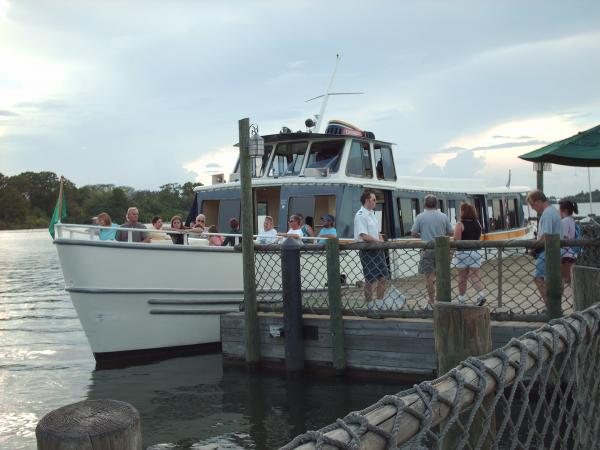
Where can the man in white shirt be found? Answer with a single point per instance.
(366, 229)
(550, 223)
(269, 234)
(295, 230)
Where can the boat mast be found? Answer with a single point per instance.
(321, 116)
(326, 96)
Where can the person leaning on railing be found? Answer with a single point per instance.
(428, 225)
(132, 222)
(103, 219)
(375, 269)
(468, 262)
(549, 224)
(177, 224)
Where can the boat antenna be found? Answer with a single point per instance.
(326, 95)
(508, 182)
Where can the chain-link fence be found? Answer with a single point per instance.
(539, 391)
(398, 279)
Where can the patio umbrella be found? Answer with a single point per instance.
(581, 150)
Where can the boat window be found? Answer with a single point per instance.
(441, 205)
(452, 213)
(258, 165)
(288, 159)
(384, 162)
(512, 208)
(359, 160)
(407, 214)
(416, 208)
(496, 215)
(325, 155)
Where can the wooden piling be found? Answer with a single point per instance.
(334, 293)
(250, 305)
(443, 291)
(91, 425)
(292, 305)
(552, 276)
(461, 331)
(585, 282)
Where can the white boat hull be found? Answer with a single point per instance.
(132, 297)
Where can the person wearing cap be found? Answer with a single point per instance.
(328, 231)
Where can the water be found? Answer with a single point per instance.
(193, 402)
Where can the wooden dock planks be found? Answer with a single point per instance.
(403, 346)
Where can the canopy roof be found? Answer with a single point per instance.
(582, 150)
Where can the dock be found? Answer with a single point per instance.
(386, 347)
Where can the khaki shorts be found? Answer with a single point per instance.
(427, 262)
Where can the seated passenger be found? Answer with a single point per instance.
(328, 230)
(269, 234)
(157, 225)
(103, 220)
(177, 224)
(234, 228)
(132, 222)
(200, 225)
(215, 239)
(295, 231)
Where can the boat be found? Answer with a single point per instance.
(136, 298)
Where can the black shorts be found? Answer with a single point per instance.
(374, 265)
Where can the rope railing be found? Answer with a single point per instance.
(538, 391)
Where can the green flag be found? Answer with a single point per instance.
(60, 210)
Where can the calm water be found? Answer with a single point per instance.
(45, 363)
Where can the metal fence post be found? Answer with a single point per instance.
(292, 305)
(552, 278)
(334, 293)
(443, 292)
(499, 277)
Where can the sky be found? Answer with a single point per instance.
(144, 93)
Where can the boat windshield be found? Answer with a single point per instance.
(288, 159)
(324, 155)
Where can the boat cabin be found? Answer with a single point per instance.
(316, 174)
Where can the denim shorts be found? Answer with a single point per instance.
(540, 265)
(374, 265)
(467, 259)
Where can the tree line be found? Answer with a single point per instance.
(27, 200)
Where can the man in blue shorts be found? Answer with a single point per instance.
(366, 229)
(550, 223)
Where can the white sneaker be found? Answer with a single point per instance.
(394, 299)
(381, 305)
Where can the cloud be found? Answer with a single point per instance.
(5, 113)
(463, 165)
(499, 136)
(510, 145)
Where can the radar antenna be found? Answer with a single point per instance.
(326, 95)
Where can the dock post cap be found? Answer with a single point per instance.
(289, 243)
(91, 424)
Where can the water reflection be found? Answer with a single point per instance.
(194, 403)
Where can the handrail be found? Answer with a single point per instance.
(412, 412)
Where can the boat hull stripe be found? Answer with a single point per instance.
(152, 291)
